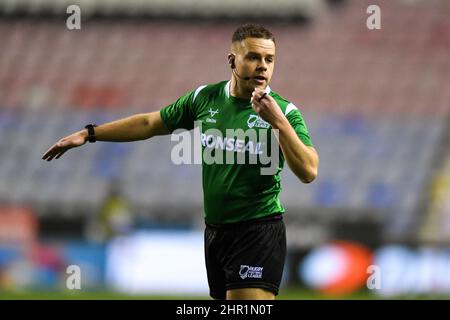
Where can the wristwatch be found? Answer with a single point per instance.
(91, 134)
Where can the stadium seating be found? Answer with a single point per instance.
(335, 63)
(370, 99)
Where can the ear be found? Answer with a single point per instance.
(231, 60)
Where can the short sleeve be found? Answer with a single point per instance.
(180, 114)
(296, 120)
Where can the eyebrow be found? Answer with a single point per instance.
(258, 54)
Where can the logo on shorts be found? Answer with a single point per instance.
(250, 272)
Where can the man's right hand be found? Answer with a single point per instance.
(76, 139)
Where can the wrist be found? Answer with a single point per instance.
(90, 132)
(280, 123)
(84, 134)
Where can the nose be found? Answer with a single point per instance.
(262, 66)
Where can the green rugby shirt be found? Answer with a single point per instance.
(233, 192)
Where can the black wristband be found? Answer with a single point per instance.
(91, 133)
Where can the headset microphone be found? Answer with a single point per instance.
(233, 68)
(243, 78)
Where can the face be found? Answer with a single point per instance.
(254, 58)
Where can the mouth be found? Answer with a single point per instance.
(259, 79)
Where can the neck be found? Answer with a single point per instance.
(237, 91)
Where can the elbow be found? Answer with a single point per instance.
(310, 172)
(308, 175)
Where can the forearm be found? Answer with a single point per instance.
(302, 159)
(137, 127)
(133, 128)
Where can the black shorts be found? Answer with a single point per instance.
(248, 254)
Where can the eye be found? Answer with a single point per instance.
(269, 60)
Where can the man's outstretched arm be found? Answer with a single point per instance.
(137, 127)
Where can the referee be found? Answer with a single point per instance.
(245, 236)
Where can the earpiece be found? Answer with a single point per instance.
(233, 66)
(231, 62)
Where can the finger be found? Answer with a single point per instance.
(268, 98)
(55, 149)
(259, 90)
(49, 152)
(256, 106)
(60, 154)
(54, 154)
(62, 143)
(262, 96)
(255, 101)
(257, 93)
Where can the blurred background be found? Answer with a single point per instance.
(377, 103)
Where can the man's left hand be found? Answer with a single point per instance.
(267, 107)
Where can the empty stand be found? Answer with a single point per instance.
(375, 102)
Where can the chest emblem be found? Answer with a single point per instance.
(255, 121)
(212, 114)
